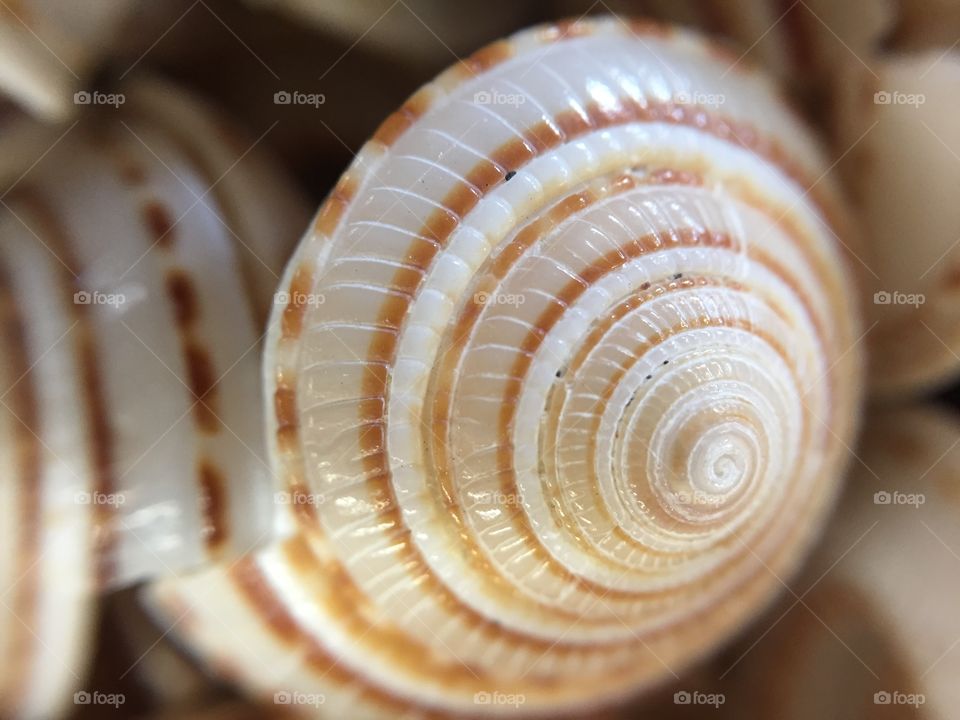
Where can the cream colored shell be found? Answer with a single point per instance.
(562, 385)
(903, 173)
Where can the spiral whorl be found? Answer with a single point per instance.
(561, 385)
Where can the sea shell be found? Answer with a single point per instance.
(804, 43)
(46, 49)
(420, 31)
(136, 264)
(562, 385)
(147, 660)
(904, 155)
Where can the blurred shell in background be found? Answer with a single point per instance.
(137, 271)
(48, 47)
(904, 172)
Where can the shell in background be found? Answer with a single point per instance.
(150, 661)
(803, 43)
(422, 31)
(136, 261)
(925, 24)
(22, 141)
(562, 385)
(874, 633)
(259, 206)
(231, 710)
(47, 562)
(46, 47)
(903, 174)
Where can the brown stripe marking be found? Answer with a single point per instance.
(158, 222)
(291, 321)
(203, 382)
(200, 373)
(98, 419)
(285, 410)
(181, 292)
(485, 59)
(329, 584)
(616, 314)
(568, 125)
(400, 121)
(335, 205)
(557, 505)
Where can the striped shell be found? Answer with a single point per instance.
(561, 385)
(131, 292)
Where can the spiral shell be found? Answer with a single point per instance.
(561, 385)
